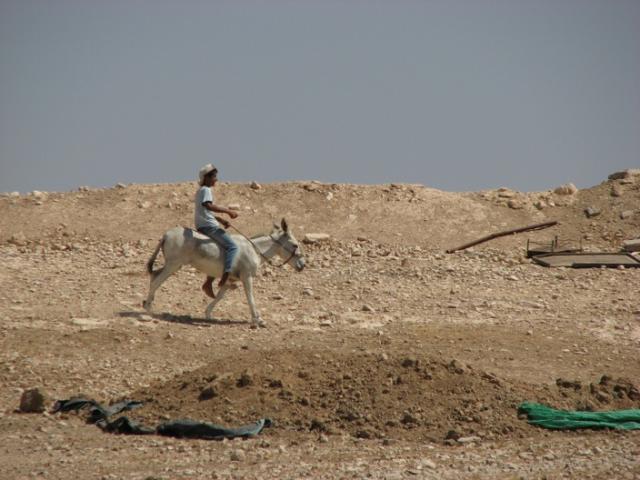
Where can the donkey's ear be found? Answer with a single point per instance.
(284, 225)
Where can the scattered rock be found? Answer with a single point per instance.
(631, 245)
(428, 464)
(38, 195)
(452, 435)
(632, 172)
(255, 186)
(237, 455)
(566, 189)
(409, 363)
(572, 384)
(591, 212)
(33, 401)
(469, 439)
(408, 418)
(245, 380)
(208, 393)
(18, 239)
(316, 237)
(626, 214)
(505, 193)
(318, 425)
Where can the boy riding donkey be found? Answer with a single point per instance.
(209, 224)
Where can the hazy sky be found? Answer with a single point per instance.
(452, 94)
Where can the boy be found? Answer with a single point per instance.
(209, 224)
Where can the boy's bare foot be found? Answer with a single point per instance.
(207, 287)
(223, 279)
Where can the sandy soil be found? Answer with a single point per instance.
(385, 358)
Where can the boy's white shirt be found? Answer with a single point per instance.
(203, 216)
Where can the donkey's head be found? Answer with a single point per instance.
(289, 248)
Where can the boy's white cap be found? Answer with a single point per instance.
(204, 171)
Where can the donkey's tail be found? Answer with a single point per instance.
(153, 257)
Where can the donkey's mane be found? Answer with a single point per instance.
(253, 237)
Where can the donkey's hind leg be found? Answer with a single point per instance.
(218, 297)
(157, 278)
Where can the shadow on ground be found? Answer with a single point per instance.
(183, 319)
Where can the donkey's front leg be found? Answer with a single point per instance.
(247, 281)
(215, 301)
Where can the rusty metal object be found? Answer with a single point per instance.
(587, 260)
(556, 245)
(538, 226)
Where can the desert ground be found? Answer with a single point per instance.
(385, 358)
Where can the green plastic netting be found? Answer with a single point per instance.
(548, 417)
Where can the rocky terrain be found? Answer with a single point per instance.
(385, 358)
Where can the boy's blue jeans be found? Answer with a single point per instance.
(223, 239)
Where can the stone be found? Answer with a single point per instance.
(631, 172)
(631, 245)
(626, 214)
(255, 186)
(428, 464)
(237, 455)
(18, 239)
(33, 401)
(566, 189)
(407, 418)
(316, 237)
(452, 435)
(409, 362)
(208, 393)
(591, 212)
(469, 439)
(120, 186)
(245, 380)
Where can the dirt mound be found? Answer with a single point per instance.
(367, 395)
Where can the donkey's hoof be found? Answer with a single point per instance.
(259, 323)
